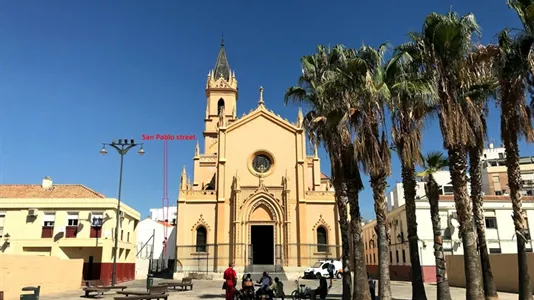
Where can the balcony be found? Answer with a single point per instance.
(71, 231)
(47, 232)
(96, 232)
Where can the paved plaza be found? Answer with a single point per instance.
(211, 289)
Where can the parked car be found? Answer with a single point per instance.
(320, 268)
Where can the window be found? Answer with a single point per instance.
(390, 257)
(72, 220)
(374, 258)
(495, 178)
(495, 250)
(448, 190)
(2, 219)
(122, 234)
(403, 256)
(321, 239)
(47, 230)
(501, 155)
(220, 106)
(261, 163)
(325, 266)
(97, 221)
(491, 222)
(128, 237)
(72, 225)
(201, 239)
(498, 193)
(397, 255)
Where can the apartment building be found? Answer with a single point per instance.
(68, 221)
(495, 178)
(395, 198)
(500, 231)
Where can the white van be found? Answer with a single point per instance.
(321, 268)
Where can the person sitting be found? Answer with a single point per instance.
(278, 288)
(247, 285)
(265, 286)
(322, 290)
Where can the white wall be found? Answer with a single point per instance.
(147, 228)
(492, 153)
(158, 214)
(502, 238)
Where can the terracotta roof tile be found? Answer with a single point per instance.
(57, 191)
(323, 176)
(489, 198)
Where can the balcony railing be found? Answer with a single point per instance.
(96, 232)
(47, 232)
(71, 231)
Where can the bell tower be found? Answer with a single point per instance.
(221, 100)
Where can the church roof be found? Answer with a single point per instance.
(222, 68)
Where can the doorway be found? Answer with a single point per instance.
(262, 240)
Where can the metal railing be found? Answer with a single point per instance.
(214, 257)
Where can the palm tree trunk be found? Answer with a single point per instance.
(490, 290)
(409, 184)
(340, 194)
(521, 229)
(360, 290)
(473, 274)
(443, 290)
(378, 184)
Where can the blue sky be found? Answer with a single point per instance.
(75, 74)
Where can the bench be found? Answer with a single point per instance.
(144, 297)
(99, 292)
(100, 284)
(155, 290)
(98, 288)
(183, 285)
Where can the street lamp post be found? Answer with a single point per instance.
(122, 147)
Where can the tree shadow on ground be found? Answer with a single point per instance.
(338, 296)
(329, 297)
(211, 296)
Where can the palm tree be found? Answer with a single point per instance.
(324, 123)
(432, 163)
(478, 85)
(353, 181)
(513, 68)
(444, 44)
(410, 102)
(361, 75)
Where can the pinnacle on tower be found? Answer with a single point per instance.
(222, 68)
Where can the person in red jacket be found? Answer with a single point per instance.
(230, 281)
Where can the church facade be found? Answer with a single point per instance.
(255, 195)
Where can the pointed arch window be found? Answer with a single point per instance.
(220, 106)
(322, 239)
(201, 239)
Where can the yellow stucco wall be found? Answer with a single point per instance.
(293, 195)
(53, 274)
(25, 231)
(504, 267)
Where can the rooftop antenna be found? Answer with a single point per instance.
(222, 39)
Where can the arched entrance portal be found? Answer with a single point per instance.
(262, 228)
(262, 236)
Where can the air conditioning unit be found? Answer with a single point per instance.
(33, 212)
